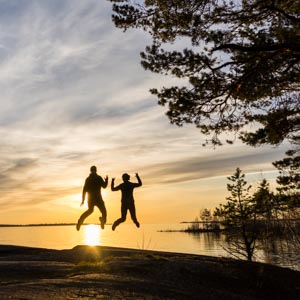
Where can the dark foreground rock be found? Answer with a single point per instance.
(86, 272)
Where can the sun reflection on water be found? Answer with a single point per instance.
(92, 235)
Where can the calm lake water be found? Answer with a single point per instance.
(148, 237)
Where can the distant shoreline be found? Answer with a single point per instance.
(44, 225)
(71, 224)
(61, 224)
(30, 225)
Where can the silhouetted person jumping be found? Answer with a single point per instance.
(127, 201)
(92, 187)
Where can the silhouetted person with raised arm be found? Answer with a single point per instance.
(92, 187)
(127, 201)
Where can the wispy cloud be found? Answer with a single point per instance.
(214, 165)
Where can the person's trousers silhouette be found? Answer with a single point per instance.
(91, 204)
(124, 208)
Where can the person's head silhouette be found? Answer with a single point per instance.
(125, 177)
(93, 169)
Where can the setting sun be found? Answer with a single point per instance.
(92, 235)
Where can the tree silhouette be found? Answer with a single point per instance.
(238, 215)
(240, 65)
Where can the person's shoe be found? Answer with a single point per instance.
(137, 224)
(113, 227)
(101, 222)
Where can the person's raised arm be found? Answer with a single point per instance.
(138, 179)
(113, 188)
(112, 184)
(105, 182)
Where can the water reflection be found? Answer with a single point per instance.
(208, 240)
(92, 235)
(280, 252)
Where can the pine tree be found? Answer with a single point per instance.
(238, 215)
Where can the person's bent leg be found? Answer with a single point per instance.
(84, 216)
(103, 211)
(122, 219)
(133, 215)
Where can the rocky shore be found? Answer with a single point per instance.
(99, 272)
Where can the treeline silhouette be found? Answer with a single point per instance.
(252, 220)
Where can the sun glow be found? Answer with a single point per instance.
(92, 235)
(72, 200)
